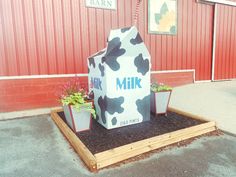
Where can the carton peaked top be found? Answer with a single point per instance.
(125, 34)
(124, 38)
(123, 42)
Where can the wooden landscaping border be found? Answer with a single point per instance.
(193, 116)
(77, 144)
(118, 154)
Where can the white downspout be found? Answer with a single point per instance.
(214, 44)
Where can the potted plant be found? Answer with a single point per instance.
(77, 108)
(160, 97)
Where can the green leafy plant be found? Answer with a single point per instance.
(158, 87)
(72, 94)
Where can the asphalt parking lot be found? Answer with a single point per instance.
(34, 146)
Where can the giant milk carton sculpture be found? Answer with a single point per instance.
(119, 76)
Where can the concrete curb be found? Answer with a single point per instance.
(26, 113)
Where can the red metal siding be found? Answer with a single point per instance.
(22, 94)
(174, 79)
(225, 58)
(56, 37)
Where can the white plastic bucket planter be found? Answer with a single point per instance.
(78, 121)
(160, 101)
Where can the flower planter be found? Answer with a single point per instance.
(78, 121)
(160, 101)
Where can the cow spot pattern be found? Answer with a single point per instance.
(136, 40)
(141, 64)
(143, 107)
(114, 121)
(101, 68)
(92, 62)
(123, 30)
(91, 59)
(113, 52)
(111, 105)
(97, 117)
(99, 53)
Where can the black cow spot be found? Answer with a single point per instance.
(114, 121)
(123, 30)
(102, 108)
(91, 95)
(141, 64)
(91, 59)
(97, 117)
(99, 53)
(136, 40)
(113, 52)
(92, 62)
(143, 107)
(111, 105)
(101, 68)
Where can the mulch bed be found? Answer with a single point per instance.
(99, 139)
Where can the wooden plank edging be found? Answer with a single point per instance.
(112, 156)
(110, 161)
(130, 150)
(149, 141)
(77, 144)
(187, 114)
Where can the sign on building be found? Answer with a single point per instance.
(104, 4)
(162, 16)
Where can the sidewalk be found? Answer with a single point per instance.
(214, 101)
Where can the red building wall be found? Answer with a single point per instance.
(47, 37)
(22, 94)
(56, 37)
(225, 56)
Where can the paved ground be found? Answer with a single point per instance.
(35, 147)
(214, 100)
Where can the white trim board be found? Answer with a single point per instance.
(214, 43)
(173, 71)
(26, 113)
(203, 81)
(42, 76)
(224, 2)
(230, 79)
(81, 75)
